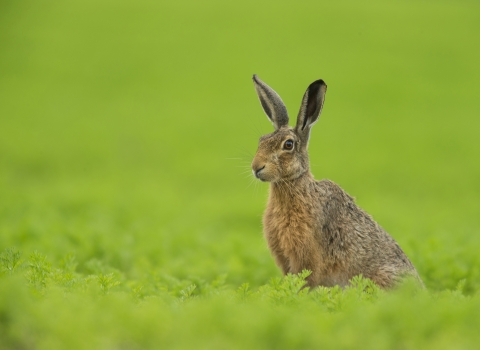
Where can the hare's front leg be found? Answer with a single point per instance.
(310, 262)
(280, 259)
(282, 262)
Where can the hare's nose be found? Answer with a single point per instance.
(257, 172)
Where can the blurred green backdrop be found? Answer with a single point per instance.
(127, 128)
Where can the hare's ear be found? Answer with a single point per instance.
(311, 108)
(272, 103)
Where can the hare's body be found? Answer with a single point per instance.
(316, 225)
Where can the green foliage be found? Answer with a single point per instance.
(102, 311)
(9, 260)
(128, 216)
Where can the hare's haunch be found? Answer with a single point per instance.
(311, 224)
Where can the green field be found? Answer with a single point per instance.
(129, 218)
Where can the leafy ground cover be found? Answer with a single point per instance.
(128, 215)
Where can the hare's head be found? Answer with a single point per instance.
(282, 155)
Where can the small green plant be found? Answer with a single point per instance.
(287, 290)
(188, 292)
(38, 271)
(10, 260)
(107, 282)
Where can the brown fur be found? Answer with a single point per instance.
(316, 225)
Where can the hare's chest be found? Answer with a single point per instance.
(290, 233)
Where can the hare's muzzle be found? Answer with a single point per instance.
(257, 172)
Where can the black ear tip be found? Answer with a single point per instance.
(319, 82)
(255, 78)
(317, 85)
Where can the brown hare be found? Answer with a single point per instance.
(311, 224)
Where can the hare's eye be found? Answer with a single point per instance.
(288, 145)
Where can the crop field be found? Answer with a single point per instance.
(129, 217)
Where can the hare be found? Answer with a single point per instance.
(311, 224)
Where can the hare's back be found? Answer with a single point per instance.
(354, 236)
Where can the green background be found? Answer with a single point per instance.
(127, 129)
